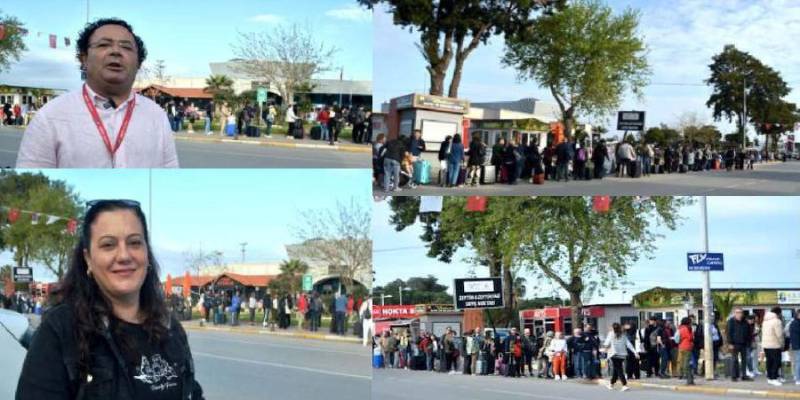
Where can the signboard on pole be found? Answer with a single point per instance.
(307, 283)
(261, 95)
(788, 297)
(23, 275)
(705, 261)
(630, 121)
(478, 293)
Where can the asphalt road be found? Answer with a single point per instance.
(233, 366)
(192, 154)
(766, 179)
(402, 385)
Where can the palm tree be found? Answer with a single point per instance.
(291, 270)
(219, 86)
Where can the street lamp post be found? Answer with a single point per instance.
(384, 297)
(400, 290)
(708, 356)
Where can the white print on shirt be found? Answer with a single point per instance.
(157, 372)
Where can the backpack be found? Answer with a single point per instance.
(367, 314)
(653, 338)
(581, 154)
(517, 349)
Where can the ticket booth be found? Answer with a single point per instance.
(435, 116)
(548, 319)
(436, 318)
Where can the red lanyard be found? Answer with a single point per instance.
(102, 129)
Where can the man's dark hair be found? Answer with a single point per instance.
(83, 37)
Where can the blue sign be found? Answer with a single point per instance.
(705, 261)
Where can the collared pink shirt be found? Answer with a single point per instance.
(63, 135)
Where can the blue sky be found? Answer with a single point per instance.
(758, 236)
(187, 35)
(682, 36)
(217, 209)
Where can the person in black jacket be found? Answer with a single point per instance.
(477, 157)
(110, 336)
(599, 156)
(739, 336)
(416, 145)
(395, 150)
(794, 346)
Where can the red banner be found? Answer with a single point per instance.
(13, 215)
(394, 311)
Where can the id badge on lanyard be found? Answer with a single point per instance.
(112, 150)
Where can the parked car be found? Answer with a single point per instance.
(15, 336)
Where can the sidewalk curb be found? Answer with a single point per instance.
(261, 331)
(773, 394)
(346, 148)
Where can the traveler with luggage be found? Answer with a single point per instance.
(477, 157)
(444, 153)
(739, 338)
(416, 145)
(454, 160)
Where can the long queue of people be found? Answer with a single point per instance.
(281, 311)
(657, 350)
(397, 163)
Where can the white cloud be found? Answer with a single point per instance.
(351, 13)
(267, 18)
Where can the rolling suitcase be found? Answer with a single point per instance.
(487, 174)
(422, 172)
(683, 168)
(462, 176)
(316, 133)
(503, 174)
(635, 169)
(299, 133)
(538, 179)
(253, 131)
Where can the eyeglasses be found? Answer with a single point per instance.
(124, 202)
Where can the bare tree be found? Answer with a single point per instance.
(197, 259)
(159, 73)
(287, 57)
(338, 237)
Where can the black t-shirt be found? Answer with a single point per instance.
(154, 376)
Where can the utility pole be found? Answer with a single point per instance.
(708, 356)
(244, 245)
(744, 114)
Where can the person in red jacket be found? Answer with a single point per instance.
(302, 307)
(323, 117)
(685, 340)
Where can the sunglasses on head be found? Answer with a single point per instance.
(125, 202)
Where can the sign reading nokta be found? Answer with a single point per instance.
(394, 311)
(478, 293)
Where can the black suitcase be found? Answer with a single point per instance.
(635, 169)
(683, 168)
(253, 131)
(418, 362)
(316, 133)
(298, 130)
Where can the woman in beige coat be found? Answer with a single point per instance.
(772, 338)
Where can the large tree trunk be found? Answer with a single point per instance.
(508, 294)
(437, 81)
(438, 63)
(461, 56)
(576, 305)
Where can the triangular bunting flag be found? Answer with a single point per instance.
(13, 215)
(66, 42)
(601, 204)
(476, 203)
(51, 219)
(72, 226)
(430, 204)
(53, 41)
(35, 218)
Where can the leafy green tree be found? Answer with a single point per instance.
(775, 119)
(293, 271)
(40, 242)
(452, 30)
(558, 239)
(706, 134)
(220, 87)
(736, 74)
(11, 44)
(418, 290)
(585, 55)
(661, 135)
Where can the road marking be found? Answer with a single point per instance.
(314, 349)
(279, 365)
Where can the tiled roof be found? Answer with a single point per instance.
(192, 93)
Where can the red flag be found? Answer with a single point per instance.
(53, 41)
(13, 215)
(601, 204)
(72, 226)
(2, 31)
(476, 203)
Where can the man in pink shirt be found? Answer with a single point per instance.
(104, 124)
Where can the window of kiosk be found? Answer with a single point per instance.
(567, 327)
(549, 325)
(538, 327)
